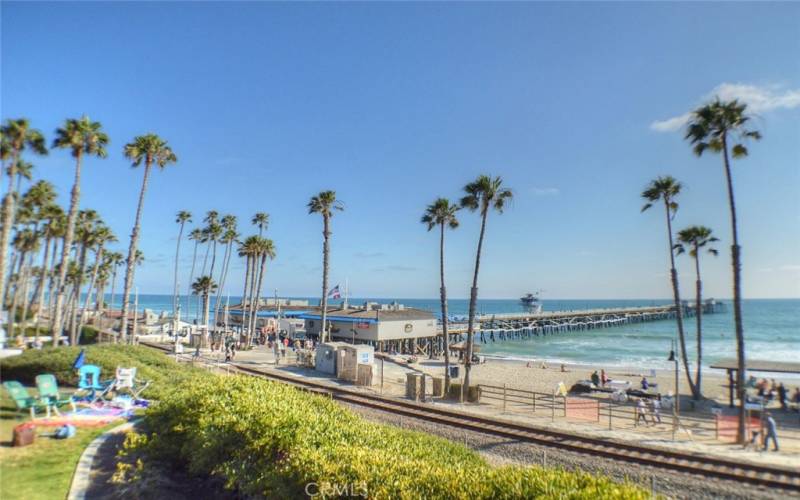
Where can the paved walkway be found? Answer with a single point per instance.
(97, 464)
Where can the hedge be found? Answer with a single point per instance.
(265, 439)
(164, 372)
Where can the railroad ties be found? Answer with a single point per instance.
(500, 327)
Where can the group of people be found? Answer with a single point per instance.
(601, 379)
(651, 407)
(775, 391)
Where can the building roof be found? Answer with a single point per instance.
(759, 366)
(371, 316)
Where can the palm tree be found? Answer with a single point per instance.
(325, 204)
(181, 218)
(260, 220)
(204, 287)
(82, 137)
(197, 236)
(720, 127)
(265, 250)
(666, 189)
(214, 233)
(210, 219)
(442, 213)
(695, 238)
(148, 149)
(228, 239)
(85, 226)
(115, 259)
(483, 194)
(54, 216)
(17, 137)
(247, 249)
(101, 237)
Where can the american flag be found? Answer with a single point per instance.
(334, 293)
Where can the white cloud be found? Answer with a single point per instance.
(545, 191)
(790, 267)
(759, 99)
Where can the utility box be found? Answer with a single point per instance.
(350, 357)
(415, 386)
(438, 387)
(327, 356)
(364, 376)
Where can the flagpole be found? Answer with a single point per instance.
(346, 291)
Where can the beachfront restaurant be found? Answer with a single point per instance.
(373, 323)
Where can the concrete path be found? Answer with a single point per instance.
(90, 459)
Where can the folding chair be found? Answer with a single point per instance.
(49, 394)
(23, 400)
(126, 381)
(90, 387)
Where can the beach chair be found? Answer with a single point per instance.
(90, 387)
(49, 394)
(23, 400)
(126, 382)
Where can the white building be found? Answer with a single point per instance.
(374, 323)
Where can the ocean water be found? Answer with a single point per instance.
(772, 331)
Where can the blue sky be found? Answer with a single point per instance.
(395, 104)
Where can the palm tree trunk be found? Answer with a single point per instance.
(8, 221)
(7, 293)
(741, 434)
(51, 281)
(443, 293)
(191, 275)
(213, 258)
(253, 299)
(98, 258)
(473, 304)
(101, 298)
(12, 317)
(73, 324)
(65, 249)
(678, 305)
(258, 288)
(325, 258)
(131, 264)
(244, 292)
(26, 299)
(223, 276)
(39, 293)
(175, 277)
(699, 313)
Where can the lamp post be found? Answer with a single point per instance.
(676, 405)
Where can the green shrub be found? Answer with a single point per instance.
(269, 440)
(152, 365)
(88, 335)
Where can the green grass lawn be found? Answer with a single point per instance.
(44, 469)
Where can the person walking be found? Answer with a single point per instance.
(656, 409)
(782, 396)
(772, 432)
(641, 412)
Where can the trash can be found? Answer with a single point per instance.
(454, 371)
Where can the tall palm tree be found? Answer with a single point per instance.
(325, 204)
(82, 137)
(197, 236)
(442, 213)
(483, 194)
(54, 216)
(101, 237)
(665, 189)
(261, 221)
(247, 249)
(722, 127)
(17, 137)
(151, 150)
(85, 227)
(181, 219)
(214, 233)
(204, 287)
(115, 259)
(265, 250)
(694, 238)
(210, 219)
(228, 238)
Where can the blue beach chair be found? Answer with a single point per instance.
(90, 387)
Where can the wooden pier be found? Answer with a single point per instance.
(499, 327)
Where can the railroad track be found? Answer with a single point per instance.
(700, 465)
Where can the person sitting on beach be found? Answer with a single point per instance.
(645, 384)
(544, 366)
(564, 368)
(596, 378)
